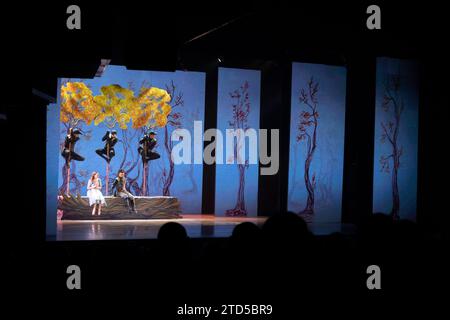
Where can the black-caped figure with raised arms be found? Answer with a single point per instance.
(147, 144)
(68, 152)
(108, 151)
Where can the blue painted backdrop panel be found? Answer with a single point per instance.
(52, 154)
(187, 181)
(326, 166)
(227, 175)
(396, 85)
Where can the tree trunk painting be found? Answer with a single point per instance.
(241, 110)
(65, 186)
(128, 164)
(307, 131)
(392, 102)
(145, 180)
(68, 180)
(107, 179)
(194, 115)
(144, 190)
(174, 121)
(168, 174)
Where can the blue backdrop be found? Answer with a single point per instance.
(328, 87)
(396, 90)
(187, 180)
(52, 155)
(241, 88)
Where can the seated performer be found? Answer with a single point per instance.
(108, 151)
(119, 187)
(69, 146)
(148, 142)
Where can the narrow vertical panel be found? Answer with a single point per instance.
(316, 149)
(238, 107)
(396, 138)
(183, 180)
(52, 154)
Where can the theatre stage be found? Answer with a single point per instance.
(197, 226)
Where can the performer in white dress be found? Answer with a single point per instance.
(94, 193)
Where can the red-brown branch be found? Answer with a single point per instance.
(310, 100)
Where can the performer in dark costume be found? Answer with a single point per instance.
(148, 142)
(108, 151)
(120, 190)
(69, 146)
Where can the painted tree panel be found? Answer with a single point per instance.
(396, 138)
(316, 149)
(238, 107)
(160, 176)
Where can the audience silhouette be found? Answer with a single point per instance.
(254, 258)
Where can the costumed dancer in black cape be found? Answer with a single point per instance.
(108, 151)
(68, 152)
(147, 144)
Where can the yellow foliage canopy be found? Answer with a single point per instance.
(77, 103)
(115, 105)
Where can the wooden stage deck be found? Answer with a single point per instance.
(197, 226)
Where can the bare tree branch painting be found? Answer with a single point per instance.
(390, 163)
(307, 132)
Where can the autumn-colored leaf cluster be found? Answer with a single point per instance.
(115, 105)
(77, 103)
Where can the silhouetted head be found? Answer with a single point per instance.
(375, 233)
(246, 232)
(286, 226)
(377, 224)
(406, 234)
(172, 232)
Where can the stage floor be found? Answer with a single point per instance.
(197, 226)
